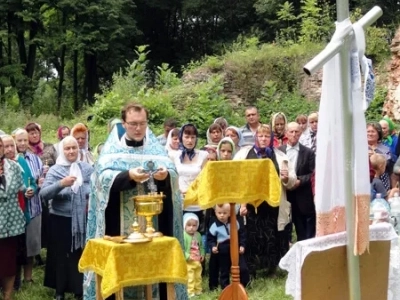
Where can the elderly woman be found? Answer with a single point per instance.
(267, 236)
(33, 230)
(67, 185)
(30, 243)
(81, 133)
(375, 145)
(12, 220)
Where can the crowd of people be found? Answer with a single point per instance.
(57, 196)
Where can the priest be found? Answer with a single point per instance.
(119, 176)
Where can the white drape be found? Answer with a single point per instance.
(330, 197)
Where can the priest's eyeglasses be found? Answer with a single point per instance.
(136, 124)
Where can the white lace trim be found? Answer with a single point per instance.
(293, 260)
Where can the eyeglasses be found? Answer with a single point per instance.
(136, 124)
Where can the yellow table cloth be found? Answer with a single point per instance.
(124, 265)
(236, 181)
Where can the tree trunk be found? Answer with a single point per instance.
(75, 80)
(28, 60)
(9, 44)
(62, 64)
(91, 78)
(2, 64)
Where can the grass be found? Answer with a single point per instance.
(259, 289)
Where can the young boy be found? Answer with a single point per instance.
(218, 239)
(194, 253)
(378, 164)
(224, 151)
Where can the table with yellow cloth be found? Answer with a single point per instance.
(251, 181)
(123, 265)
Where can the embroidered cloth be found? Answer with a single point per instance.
(124, 265)
(293, 260)
(250, 181)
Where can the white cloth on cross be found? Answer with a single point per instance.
(330, 198)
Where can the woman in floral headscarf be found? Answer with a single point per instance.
(267, 236)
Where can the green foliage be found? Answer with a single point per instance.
(315, 21)
(313, 24)
(376, 39)
(288, 34)
(291, 104)
(204, 102)
(374, 111)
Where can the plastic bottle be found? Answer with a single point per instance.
(395, 211)
(379, 210)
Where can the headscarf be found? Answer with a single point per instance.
(391, 124)
(221, 120)
(169, 141)
(78, 197)
(37, 148)
(59, 131)
(185, 151)
(388, 139)
(224, 141)
(264, 152)
(28, 179)
(239, 134)
(274, 117)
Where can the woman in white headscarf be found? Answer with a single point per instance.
(67, 185)
(172, 145)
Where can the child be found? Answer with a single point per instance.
(194, 253)
(218, 239)
(378, 164)
(225, 151)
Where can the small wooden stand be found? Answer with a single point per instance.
(234, 291)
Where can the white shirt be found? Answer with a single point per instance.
(292, 153)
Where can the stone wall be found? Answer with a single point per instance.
(392, 103)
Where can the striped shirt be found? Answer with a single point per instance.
(35, 165)
(248, 135)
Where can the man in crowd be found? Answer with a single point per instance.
(253, 121)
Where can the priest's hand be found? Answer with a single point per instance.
(137, 175)
(161, 174)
